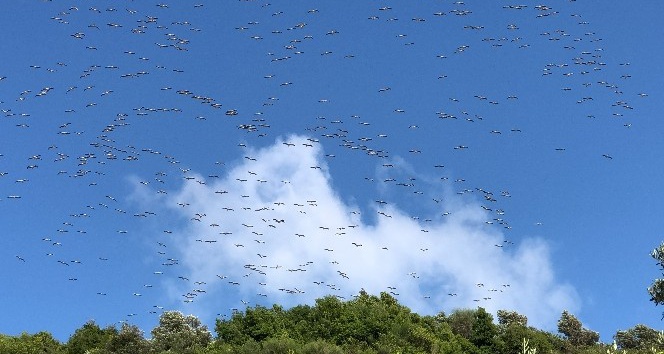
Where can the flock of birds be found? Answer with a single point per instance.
(124, 98)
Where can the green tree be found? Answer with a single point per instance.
(283, 345)
(326, 317)
(257, 323)
(38, 343)
(423, 339)
(574, 332)
(367, 317)
(262, 323)
(461, 322)
(129, 340)
(300, 323)
(511, 340)
(447, 341)
(89, 336)
(249, 347)
(177, 333)
(507, 318)
(638, 337)
(483, 332)
(231, 330)
(366, 324)
(217, 347)
(321, 347)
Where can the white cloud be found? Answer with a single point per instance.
(275, 225)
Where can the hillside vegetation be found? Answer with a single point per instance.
(367, 324)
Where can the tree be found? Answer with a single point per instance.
(249, 347)
(129, 340)
(574, 332)
(218, 347)
(326, 319)
(231, 330)
(638, 337)
(367, 317)
(300, 323)
(321, 347)
(262, 322)
(257, 323)
(178, 333)
(508, 318)
(365, 324)
(484, 332)
(283, 345)
(461, 321)
(511, 340)
(88, 337)
(40, 342)
(656, 290)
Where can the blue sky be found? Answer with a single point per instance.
(202, 158)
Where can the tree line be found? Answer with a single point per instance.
(366, 324)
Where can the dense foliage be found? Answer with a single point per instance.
(367, 324)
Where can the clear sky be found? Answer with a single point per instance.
(202, 156)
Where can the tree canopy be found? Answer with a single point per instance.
(366, 324)
(574, 332)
